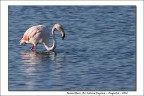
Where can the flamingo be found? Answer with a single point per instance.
(39, 35)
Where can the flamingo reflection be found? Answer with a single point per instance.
(42, 66)
(31, 57)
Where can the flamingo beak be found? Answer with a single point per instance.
(62, 32)
(63, 35)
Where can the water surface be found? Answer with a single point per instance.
(98, 52)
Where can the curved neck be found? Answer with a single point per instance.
(54, 41)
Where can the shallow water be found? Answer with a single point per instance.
(98, 52)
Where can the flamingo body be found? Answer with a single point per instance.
(40, 35)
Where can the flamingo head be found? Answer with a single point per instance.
(60, 29)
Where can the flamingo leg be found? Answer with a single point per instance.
(32, 47)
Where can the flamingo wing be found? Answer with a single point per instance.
(33, 32)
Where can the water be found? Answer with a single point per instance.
(98, 52)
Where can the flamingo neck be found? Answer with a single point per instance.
(54, 41)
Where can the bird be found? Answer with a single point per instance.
(39, 35)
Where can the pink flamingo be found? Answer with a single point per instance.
(40, 35)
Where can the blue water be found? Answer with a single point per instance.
(98, 53)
